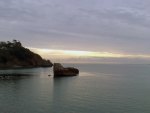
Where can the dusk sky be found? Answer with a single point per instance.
(101, 31)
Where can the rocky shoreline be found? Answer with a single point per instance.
(14, 56)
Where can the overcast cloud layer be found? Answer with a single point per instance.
(121, 26)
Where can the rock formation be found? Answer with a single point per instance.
(60, 71)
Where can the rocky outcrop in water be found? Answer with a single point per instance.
(60, 71)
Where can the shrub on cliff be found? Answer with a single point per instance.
(14, 54)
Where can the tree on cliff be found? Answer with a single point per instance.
(14, 54)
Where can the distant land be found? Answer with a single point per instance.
(14, 55)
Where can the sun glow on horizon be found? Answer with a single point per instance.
(65, 54)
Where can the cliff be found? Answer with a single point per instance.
(14, 55)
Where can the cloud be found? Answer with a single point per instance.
(120, 26)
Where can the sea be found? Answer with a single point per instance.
(99, 88)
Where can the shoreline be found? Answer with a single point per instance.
(24, 67)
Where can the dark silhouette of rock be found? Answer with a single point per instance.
(14, 55)
(60, 71)
(49, 75)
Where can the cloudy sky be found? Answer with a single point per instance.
(80, 30)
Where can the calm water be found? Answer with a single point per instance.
(100, 88)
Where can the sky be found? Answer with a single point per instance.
(98, 31)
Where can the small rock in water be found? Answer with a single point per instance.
(60, 71)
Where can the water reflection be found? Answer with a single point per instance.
(62, 93)
(14, 76)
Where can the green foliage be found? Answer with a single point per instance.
(13, 53)
(9, 49)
